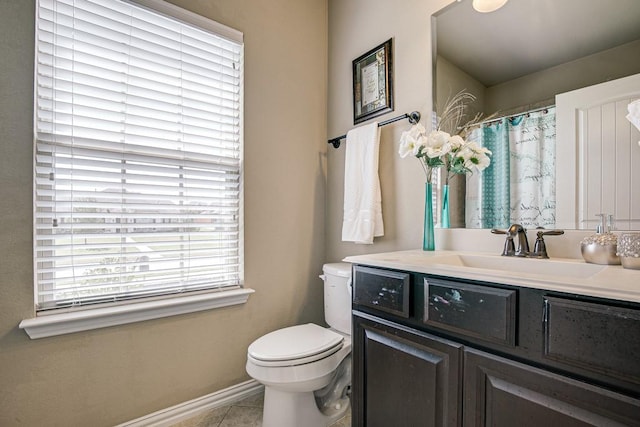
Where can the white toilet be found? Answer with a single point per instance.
(306, 369)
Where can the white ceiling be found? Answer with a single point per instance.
(530, 35)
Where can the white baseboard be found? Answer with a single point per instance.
(175, 414)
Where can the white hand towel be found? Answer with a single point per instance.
(362, 199)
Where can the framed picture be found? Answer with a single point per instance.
(373, 83)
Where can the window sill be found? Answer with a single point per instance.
(76, 321)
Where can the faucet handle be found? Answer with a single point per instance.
(551, 233)
(509, 246)
(543, 232)
(540, 248)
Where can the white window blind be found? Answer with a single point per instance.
(137, 154)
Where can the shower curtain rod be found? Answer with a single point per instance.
(535, 110)
(414, 117)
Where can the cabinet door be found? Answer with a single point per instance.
(403, 377)
(502, 393)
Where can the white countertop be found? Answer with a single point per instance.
(558, 274)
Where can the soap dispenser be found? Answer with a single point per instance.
(600, 248)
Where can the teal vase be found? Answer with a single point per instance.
(445, 206)
(428, 238)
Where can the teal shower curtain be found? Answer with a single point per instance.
(518, 186)
(495, 203)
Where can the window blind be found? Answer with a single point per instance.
(137, 154)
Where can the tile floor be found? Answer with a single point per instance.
(245, 413)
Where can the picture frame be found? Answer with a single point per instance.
(373, 83)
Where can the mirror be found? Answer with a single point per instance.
(518, 58)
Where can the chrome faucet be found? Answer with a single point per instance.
(516, 230)
(510, 249)
(522, 250)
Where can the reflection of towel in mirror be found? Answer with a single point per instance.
(362, 199)
(634, 114)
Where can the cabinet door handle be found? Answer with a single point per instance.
(545, 315)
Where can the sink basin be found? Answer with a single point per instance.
(545, 267)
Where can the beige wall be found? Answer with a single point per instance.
(537, 88)
(355, 26)
(450, 80)
(108, 376)
(600, 67)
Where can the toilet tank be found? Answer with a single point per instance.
(337, 296)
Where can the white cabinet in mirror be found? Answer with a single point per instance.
(600, 171)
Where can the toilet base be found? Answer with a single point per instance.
(284, 409)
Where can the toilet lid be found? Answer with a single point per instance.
(296, 342)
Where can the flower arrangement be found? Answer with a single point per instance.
(446, 146)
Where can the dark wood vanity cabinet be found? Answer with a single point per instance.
(449, 352)
(403, 377)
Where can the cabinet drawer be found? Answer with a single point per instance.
(471, 310)
(381, 289)
(597, 337)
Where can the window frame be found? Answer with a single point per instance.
(87, 317)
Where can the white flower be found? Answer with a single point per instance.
(480, 161)
(475, 156)
(409, 145)
(438, 144)
(456, 142)
(440, 149)
(412, 140)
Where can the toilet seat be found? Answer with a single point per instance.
(295, 345)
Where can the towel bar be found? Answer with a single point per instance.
(414, 117)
